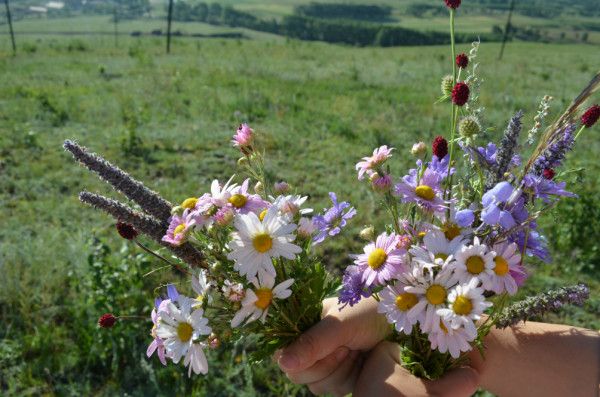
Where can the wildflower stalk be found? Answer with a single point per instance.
(454, 113)
(145, 224)
(537, 305)
(150, 202)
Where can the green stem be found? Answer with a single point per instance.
(579, 132)
(454, 110)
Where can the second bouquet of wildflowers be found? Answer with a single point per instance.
(462, 223)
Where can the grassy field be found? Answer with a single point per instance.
(168, 120)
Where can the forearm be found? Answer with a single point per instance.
(541, 359)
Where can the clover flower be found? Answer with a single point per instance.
(454, 4)
(462, 61)
(439, 147)
(460, 94)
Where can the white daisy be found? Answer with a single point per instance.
(201, 287)
(432, 291)
(466, 305)
(256, 242)
(195, 359)
(436, 251)
(506, 263)
(256, 302)
(472, 261)
(447, 339)
(221, 194)
(180, 328)
(396, 303)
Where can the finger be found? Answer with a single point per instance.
(321, 369)
(313, 345)
(341, 381)
(460, 382)
(379, 371)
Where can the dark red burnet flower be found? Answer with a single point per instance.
(462, 61)
(454, 4)
(440, 147)
(548, 173)
(107, 320)
(590, 116)
(126, 230)
(460, 94)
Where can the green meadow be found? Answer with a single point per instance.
(168, 120)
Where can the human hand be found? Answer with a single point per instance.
(382, 375)
(328, 357)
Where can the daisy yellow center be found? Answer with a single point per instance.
(406, 301)
(184, 332)
(422, 235)
(262, 242)
(451, 230)
(441, 256)
(501, 267)
(376, 258)
(200, 298)
(189, 203)
(475, 265)
(462, 305)
(238, 200)
(262, 215)
(425, 192)
(436, 294)
(179, 229)
(264, 295)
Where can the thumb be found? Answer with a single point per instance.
(318, 342)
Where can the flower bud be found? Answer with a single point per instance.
(126, 231)
(107, 320)
(447, 85)
(281, 187)
(259, 188)
(242, 162)
(469, 127)
(368, 233)
(419, 150)
(381, 184)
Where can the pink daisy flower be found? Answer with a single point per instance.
(369, 164)
(381, 261)
(243, 202)
(179, 228)
(243, 138)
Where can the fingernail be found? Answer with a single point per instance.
(288, 361)
(341, 353)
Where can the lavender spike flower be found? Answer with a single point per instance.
(144, 224)
(539, 304)
(150, 201)
(555, 153)
(506, 150)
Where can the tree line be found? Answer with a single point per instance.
(302, 27)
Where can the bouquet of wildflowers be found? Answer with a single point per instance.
(246, 256)
(462, 223)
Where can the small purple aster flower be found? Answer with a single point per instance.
(381, 261)
(426, 191)
(543, 188)
(179, 228)
(333, 220)
(532, 243)
(243, 202)
(353, 287)
(370, 164)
